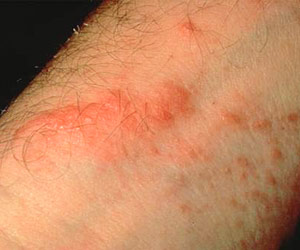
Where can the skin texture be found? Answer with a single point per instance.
(170, 125)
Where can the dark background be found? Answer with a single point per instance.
(31, 32)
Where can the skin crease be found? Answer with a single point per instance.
(162, 126)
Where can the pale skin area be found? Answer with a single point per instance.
(162, 125)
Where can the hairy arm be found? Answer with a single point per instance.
(162, 125)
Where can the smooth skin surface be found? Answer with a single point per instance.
(160, 125)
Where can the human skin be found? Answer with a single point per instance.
(162, 125)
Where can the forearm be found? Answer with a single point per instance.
(176, 107)
(160, 59)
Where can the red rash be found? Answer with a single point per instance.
(294, 117)
(277, 154)
(262, 125)
(118, 124)
(156, 125)
(187, 28)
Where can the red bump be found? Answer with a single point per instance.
(185, 209)
(260, 197)
(169, 101)
(187, 28)
(277, 154)
(247, 168)
(189, 25)
(262, 125)
(243, 162)
(293, 117)
(231, 118)
(237, 205)
(270, 179)
(228, 171)
(244, 177)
